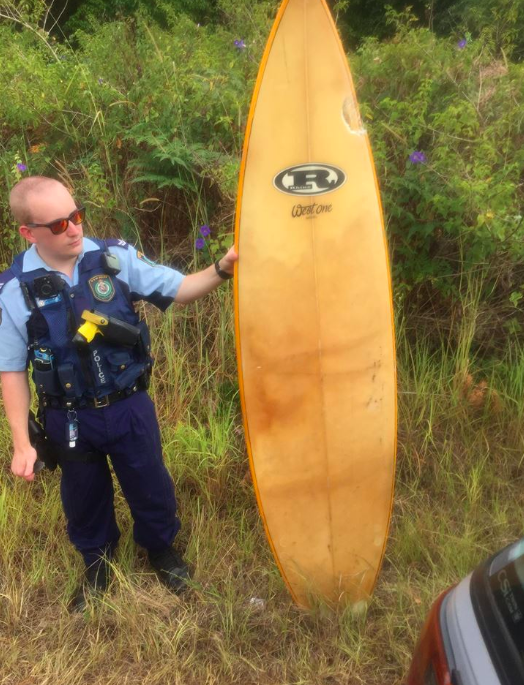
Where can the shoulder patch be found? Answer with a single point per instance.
(116, 242)
(145, 259)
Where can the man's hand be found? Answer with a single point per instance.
(227, 263)
(23, 463)
(195, 286)
(16, 396)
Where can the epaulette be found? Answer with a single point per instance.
(116, 242)
(6, 276)
(14, 271)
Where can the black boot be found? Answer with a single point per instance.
(171, 569)
(96, 581)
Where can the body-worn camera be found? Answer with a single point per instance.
(48, 286)
(111, 263)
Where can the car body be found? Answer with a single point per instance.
(474, 634)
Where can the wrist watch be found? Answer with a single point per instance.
(223, 274)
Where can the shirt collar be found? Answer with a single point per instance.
(33, 261)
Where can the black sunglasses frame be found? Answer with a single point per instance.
(78, 210)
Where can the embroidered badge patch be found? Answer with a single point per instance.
(145, 259)
(102, 287)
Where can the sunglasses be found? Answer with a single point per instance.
(58, 226)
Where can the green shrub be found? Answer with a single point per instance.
(163, 113)
(146, 121)
(455, 209)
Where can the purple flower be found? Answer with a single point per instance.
(21, 167)
(205, 231)
(417, 157)
(462, 44)
(100, 81)
(200, 243)
(240, 45)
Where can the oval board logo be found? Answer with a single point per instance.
(309, 179)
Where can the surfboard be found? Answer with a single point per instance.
(313, 316)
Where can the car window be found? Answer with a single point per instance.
(506, 580)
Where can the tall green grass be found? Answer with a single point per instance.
(458, 498)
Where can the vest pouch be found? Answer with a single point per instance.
(119, 361)
(67, 377)
(124, 369)
(46, 382)
(128, 378)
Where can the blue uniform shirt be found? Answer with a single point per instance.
(143, 277)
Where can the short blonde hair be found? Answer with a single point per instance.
(19, 198)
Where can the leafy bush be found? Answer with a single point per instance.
(146, 121)
(164, 110)
(444, 119)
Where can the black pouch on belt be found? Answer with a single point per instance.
(67, 377)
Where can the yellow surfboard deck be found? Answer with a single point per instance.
(315, 339)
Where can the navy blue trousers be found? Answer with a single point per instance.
(128, 432)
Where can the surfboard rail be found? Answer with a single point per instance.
(352, 121)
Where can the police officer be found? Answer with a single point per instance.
(92, 390)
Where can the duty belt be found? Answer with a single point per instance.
(92, 402)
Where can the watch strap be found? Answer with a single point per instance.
(223, 274)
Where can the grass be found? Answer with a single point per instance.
(459, 497)
(459, 492)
